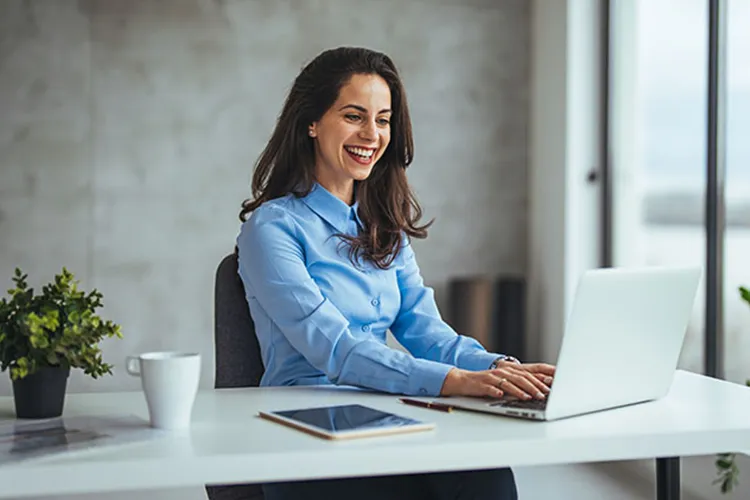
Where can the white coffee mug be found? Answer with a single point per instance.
(170, 383)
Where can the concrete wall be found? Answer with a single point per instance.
(128, 131)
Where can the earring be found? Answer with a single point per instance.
(311, 132)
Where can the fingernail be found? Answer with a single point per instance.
(539, 395)
(526, 396)
(548, 380)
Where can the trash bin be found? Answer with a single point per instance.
(470, 308)
(491, 310)
(509, 321)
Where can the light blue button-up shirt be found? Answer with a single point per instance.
(321, 320)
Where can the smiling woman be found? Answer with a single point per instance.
(353, 134)
(326, 262)
(346, 121)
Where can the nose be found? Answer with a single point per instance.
(369, 130)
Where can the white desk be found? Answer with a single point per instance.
(228, 443)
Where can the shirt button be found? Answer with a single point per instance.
(365, 328)
(423, 391)
(375, 302)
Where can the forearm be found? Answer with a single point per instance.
(424, 333)
(375, 366)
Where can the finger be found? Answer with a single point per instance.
(534, 379)
(506, 380)
(539, 368)
(524, 382)
(492, 391)
(511, 388)
(546, 379)
(540, 380)
(490, 379)
(490, 387)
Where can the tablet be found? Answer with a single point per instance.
(346, 421)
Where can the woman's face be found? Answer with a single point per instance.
(352, 135)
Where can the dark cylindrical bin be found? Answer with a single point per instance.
(470, 308)
(41, 394)
(509, 321)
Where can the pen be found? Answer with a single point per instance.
(427, 404)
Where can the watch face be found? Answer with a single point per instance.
(509, 359)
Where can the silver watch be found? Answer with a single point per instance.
(510, 359)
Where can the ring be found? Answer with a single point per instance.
(502, 381)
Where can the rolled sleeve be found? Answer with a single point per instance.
(272, 266)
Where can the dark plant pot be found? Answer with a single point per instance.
(41, 394)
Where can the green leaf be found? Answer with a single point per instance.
(724, 463)
(52, 358)
(57, 326)
(728, 472)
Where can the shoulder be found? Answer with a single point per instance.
(272, 218)
(273, 210)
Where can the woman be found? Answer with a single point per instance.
(327, 265)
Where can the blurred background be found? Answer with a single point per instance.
(129, 130)
(659, 155)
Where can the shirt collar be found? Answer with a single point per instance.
(332, 209)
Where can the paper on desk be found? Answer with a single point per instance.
(27, 439)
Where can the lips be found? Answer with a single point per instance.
(361, 155)
(360, 151)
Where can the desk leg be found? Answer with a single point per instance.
(668, 478)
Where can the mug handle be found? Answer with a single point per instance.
(133, 366)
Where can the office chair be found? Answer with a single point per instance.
(237, 355)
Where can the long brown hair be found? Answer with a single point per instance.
(387, 206)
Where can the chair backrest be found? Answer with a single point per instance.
(237, 352)
(237, 355)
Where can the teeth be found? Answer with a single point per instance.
(365, 153)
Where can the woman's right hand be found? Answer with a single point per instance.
(490, 383)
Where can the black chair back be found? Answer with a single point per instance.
(238, 359)
(237, 355)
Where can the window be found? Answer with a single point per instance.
(737, 235)
(659, 60)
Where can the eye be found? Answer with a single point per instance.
(384, 121)
(352, 117)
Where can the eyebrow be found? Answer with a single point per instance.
(363, 110)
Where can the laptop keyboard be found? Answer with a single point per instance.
(531, 404)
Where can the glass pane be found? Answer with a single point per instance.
(737, 238)
(659, 90)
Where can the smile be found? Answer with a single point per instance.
(361, 152)
(363, 156)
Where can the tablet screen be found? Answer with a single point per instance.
(334, 419)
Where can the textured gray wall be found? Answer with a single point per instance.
(128, 131)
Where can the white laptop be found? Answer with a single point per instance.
(621, 345)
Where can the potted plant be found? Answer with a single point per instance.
(43, 336)
(726, 463)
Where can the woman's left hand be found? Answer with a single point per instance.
(525, 380)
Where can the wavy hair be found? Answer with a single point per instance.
(387, 206)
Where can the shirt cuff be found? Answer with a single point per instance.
(478, 361)
(428, 377)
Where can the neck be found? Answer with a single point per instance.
(343, 190)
